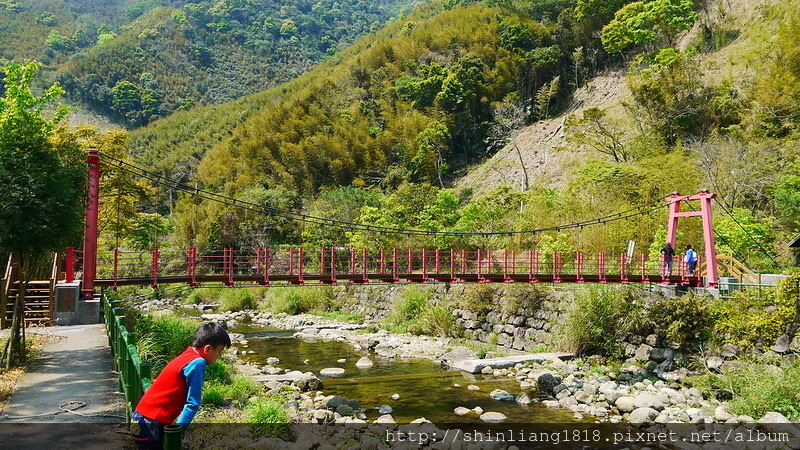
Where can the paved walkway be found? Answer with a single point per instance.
(76, 366)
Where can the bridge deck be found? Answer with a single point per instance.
(332, 266)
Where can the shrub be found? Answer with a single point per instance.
(212, 395)
(683, 320)
(165, 337)
(219, 372)
(478, 298)
(220, 393)
(294, 301)
(518, 298)
(597, 319)
(745, 319)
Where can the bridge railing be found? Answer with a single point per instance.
(134, 375)
(298, 265)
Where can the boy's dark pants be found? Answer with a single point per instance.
(148, 434)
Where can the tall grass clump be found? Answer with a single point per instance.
(597, 319)
(228, 298)
(291, 300)
(406, 310)
(162, 338)
(416, 313)
(268, 418)
(218, 393)
(760, 388)
(237, 300)
(438, 320)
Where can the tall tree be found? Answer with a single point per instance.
(42, 201)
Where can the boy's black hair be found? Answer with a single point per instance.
(211, 333)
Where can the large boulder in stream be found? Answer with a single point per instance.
(332, 372)
(501, 395)
(457, 354)
(308, 382)
(364, 363)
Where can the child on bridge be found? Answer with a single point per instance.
(174, 397)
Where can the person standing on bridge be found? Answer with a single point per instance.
(669, 254)
(690, 258)
(174, 397)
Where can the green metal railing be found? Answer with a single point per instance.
(134, 375)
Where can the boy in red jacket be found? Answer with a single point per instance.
(174, 397)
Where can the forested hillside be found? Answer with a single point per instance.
(379, 133)
(135, 61)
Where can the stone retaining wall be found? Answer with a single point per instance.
(515, 316)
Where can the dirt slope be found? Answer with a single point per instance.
(548, 157)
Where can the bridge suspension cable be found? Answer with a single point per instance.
(646, 208)
(760, 247)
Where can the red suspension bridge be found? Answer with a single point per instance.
(300, 266)
(330, 266)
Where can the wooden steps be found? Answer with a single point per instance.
(38, 301)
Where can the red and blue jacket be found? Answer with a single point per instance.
(175, 395)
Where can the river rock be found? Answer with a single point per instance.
(583, 397)
(332, 372)
(493, 417)
(385, 409)
(335, 401)
(477, 410)
(774, 417)
(364, 362)
(273, 360)
(457, 354)
(386, 418)
(648, 400)
(625, 404)
(344, 410)
(643, 415)
(547, 382)
(323, 416)
(501, 395)
(523, 399)
(472, 387)
(395, 396)
(721, 414)
(308, 382)
(461, 411)
(714, 363)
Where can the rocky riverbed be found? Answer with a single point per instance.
(633, 394)
(645, 394)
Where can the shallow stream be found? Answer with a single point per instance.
(425, 389)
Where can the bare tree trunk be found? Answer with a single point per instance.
(524, 170)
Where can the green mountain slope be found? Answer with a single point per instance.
(411, 102)
(135, 61)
